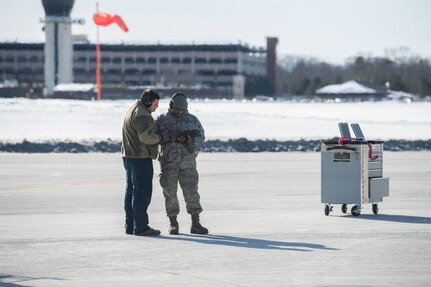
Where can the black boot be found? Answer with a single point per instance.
(197, 228)
(173, 228)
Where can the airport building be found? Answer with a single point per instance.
(175, 66)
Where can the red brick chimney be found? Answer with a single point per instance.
(271, 60)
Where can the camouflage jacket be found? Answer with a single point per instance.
(174, 153)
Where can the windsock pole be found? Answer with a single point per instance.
(99, 89)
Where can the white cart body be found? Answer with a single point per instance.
(352, 173)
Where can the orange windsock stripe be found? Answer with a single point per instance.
(105, 19)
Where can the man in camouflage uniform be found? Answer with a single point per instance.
(182, 135)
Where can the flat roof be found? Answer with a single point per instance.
(140, 47)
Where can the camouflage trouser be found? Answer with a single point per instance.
(188, 179)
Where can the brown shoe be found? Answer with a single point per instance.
(149, 232)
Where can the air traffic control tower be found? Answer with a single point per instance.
(58, 43)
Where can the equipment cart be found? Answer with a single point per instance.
(352, 171)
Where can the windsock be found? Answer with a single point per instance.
(105, 19)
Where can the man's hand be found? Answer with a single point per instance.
(175, 134)
(185, 139)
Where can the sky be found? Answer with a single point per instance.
(329, 30)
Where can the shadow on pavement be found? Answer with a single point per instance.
(7, 280)
(248, 242)
(394, 218)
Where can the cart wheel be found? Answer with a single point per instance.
(356, 210)
(327, 209)
(375, 208)
(344, 208)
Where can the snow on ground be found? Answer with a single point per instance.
(74, 120)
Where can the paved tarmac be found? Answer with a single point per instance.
(61, 224)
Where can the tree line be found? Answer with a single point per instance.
(303, 76)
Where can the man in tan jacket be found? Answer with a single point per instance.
(139, 148)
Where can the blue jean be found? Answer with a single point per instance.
(139, 189)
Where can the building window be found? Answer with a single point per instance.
(224, 84)
(226, 72)
(132, 72)
(205, 72)
(34, 59)
(148, 72)
(132, 83)
(215, 61)
(25, 71)
(114, 71)
(116, 60)
(231, 61)
(208, 84)
(79, 71)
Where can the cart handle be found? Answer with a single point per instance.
(341, 141)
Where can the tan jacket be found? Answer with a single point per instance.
(139, 138)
